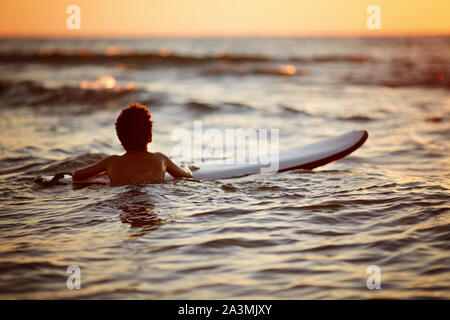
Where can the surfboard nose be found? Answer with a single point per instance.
(365, 136)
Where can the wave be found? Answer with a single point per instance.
(201, 106)
(393, 76)
(294, 110)
(361, 69)
(160, 58)
(356, 118)
(334, 58)
(206, 107)
(145, 58)
(426, 80)
(31, 93)
(89, 98)
(243, 70)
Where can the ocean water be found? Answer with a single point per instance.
(294, 235)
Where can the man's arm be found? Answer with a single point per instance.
(174, 170)
(91, 171)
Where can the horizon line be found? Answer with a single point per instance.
(376, 34)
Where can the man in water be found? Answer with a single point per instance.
(137, 165)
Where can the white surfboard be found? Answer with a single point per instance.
(304, 157)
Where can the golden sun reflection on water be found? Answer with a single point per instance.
(103, 82)
(112, 51)
(165, 52)
(288, 69)
(106, 83)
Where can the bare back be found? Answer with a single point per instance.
(136, 168)
(133, 167)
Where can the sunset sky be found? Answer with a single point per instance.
(223, 18)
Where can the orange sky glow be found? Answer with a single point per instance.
(222, 18)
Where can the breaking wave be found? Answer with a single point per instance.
(32, 93)
(161, 58)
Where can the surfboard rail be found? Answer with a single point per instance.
(321, 162)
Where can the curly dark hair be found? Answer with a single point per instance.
(134, 127)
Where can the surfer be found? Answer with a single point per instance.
(137, 165)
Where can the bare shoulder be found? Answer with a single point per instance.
(112, 158)
(174, 170)
(165, 160)
(110, 161)
(160, 155)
